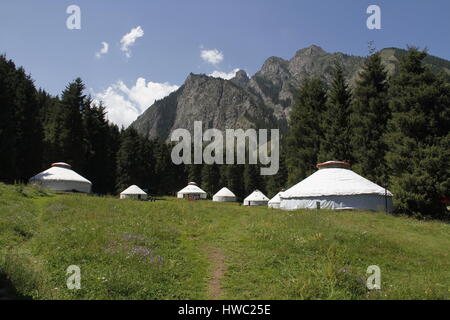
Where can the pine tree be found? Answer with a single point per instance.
(7, 122)
(210, 178)
(21, 131)
(336, 120)
(64, 132)
(274, 184)
(305, 134)
(419, 138)
(110, 162)
(234, 174)
(28, 127)
(97, 148)
(369, 120)
(252, 179)
(128, 162)
(194, 173)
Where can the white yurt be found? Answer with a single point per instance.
(224, 195)
(334, 186)
(60, 177)
(192, 192)
(257, 198)
(133, 192)
(274, 203)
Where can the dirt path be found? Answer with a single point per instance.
(217, 259)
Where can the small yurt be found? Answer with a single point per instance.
(60, 177)
(224, 195)
(257, 198)
(133, 192)
(336, 187)
(274, 203)
(192, 192)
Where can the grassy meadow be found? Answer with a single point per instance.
(176, 249)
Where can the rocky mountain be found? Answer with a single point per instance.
(262, 101)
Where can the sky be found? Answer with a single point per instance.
(130, 53)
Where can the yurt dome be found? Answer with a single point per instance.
(335, 186)
(224, 195)
(60, 177)
(275, 201)
(257, 198)
(133, 192)
(191, 191)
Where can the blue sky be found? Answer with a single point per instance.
(245, 33)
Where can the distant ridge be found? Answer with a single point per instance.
(262, 101)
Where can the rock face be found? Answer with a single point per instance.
(218, 103)
(262, 101)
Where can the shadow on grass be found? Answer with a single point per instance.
(8, 291)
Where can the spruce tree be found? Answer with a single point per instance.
(210, 178)
(64, 132)
(28, 126)
(252, 179)
(274, 184)
(97, 148)
(20, 125)
(234, 173)
(128, 163)
(305, 134)
(419, 138)
(169, 177)
(336, 128)
(369, 120)
(7, 122)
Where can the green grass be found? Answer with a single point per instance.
(159, 250)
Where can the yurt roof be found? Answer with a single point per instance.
(256, 196)
(329, 181)
(192, 188)
(225, 192)
(133, 190)
(276, 199)
(58, 172)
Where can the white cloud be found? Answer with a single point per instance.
(224, 75)
(212, 56)
(124, 105)
(103, 50)
(130, 38)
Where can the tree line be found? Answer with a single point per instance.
(37, 129)
(395, 132)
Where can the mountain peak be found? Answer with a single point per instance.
(312, 50)
(241, 78)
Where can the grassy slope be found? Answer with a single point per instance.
(136, 250)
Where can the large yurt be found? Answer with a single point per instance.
(192, 192)
(257, 198)
(336, 187)
(60, 177)
(133, 192)
(224, 195)
(274, 203)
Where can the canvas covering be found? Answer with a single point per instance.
(224, 195)
(62, 179)
(257, 198)
(192, 189)
(337, 188)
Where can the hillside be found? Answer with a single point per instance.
(262, 101)
(174, 249)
